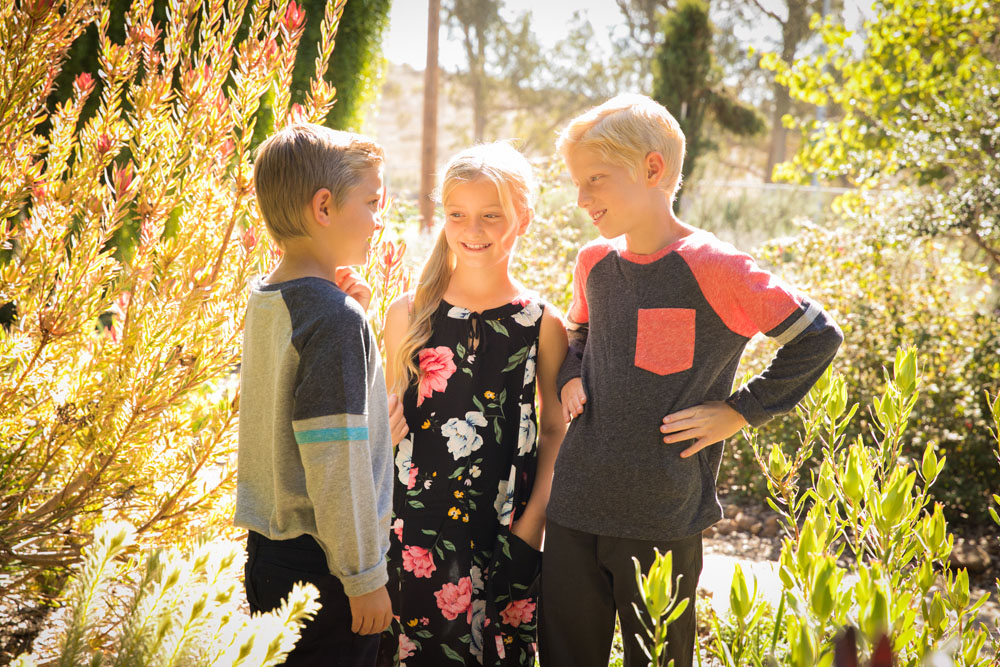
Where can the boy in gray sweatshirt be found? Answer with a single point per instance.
(314, 485)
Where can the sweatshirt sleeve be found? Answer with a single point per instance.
(578, 323)
(809, 341)
(331, 425)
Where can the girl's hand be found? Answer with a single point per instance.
(706, 424)
(354, 285)
(530, 529)
(397, 422)
(573, 399)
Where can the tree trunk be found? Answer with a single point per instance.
(779, 133)
(428, 149)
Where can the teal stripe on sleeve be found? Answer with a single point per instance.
(343, 433)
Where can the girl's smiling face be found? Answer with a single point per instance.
(480, 232)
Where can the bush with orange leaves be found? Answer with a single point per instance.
(127, 241)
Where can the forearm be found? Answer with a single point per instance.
(352, 533)
(793, 371)
(573, 363)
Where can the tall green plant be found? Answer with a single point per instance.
(178, 608)
(866, 546)
(687, 81)
(357, 67)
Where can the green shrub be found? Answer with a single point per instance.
(887, 289)
(866, 545)
(172, 608)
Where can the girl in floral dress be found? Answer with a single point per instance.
(466, 351)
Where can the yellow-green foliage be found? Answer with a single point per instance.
(872, 505)
(887, 289)
(127, 242)
(173, 608)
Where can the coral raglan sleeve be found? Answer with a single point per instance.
(330, 420)
(808, 336)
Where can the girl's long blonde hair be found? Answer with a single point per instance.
(503, 166)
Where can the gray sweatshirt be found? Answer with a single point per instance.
(651, 335)
(314, 446)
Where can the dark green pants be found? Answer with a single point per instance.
(587, 579)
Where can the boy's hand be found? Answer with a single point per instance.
(354, 285)
(371, 613)
(397, 422)
(573, 399)
(707, 424)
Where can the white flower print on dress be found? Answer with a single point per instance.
(459, 313)
(477, 578)
(477, 621)
(526, 432)
(529, 366)
(404, 459)
(461, 434)
(528, 315)
(504, 504)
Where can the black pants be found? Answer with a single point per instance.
(272, 569)
(587, 578)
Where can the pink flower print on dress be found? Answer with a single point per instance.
(397, 527)
(418, 561)
(454, 599)
(517, 612)
(406, 647)
(412, 480)
(436, 366)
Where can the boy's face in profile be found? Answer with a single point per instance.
(351, 226)
(609, 193)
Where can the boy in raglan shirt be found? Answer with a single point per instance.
(660, 316)
(314, 485)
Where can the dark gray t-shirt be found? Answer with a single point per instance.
(654, 334)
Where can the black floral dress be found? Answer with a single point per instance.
(463, 587)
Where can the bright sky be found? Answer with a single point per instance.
(406, 41)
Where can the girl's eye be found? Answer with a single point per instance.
(594, 178)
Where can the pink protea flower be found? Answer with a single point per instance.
(397, 527)
(418, 561)
(454, 599)
(517, 612)
(436, 366)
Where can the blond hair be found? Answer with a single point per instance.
(498, 163)
(623, 131)
(297, 161)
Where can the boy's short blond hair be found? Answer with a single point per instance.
(297, 161)
(624, 130)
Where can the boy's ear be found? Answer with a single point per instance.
(655, 168)
(322, 207)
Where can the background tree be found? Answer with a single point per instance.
(357, 67)
(687, 82)
(428, 136)
(918, 103)
(479, 24)
(793, 20)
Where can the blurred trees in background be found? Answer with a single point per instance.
(918, 101)
(686, 80)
